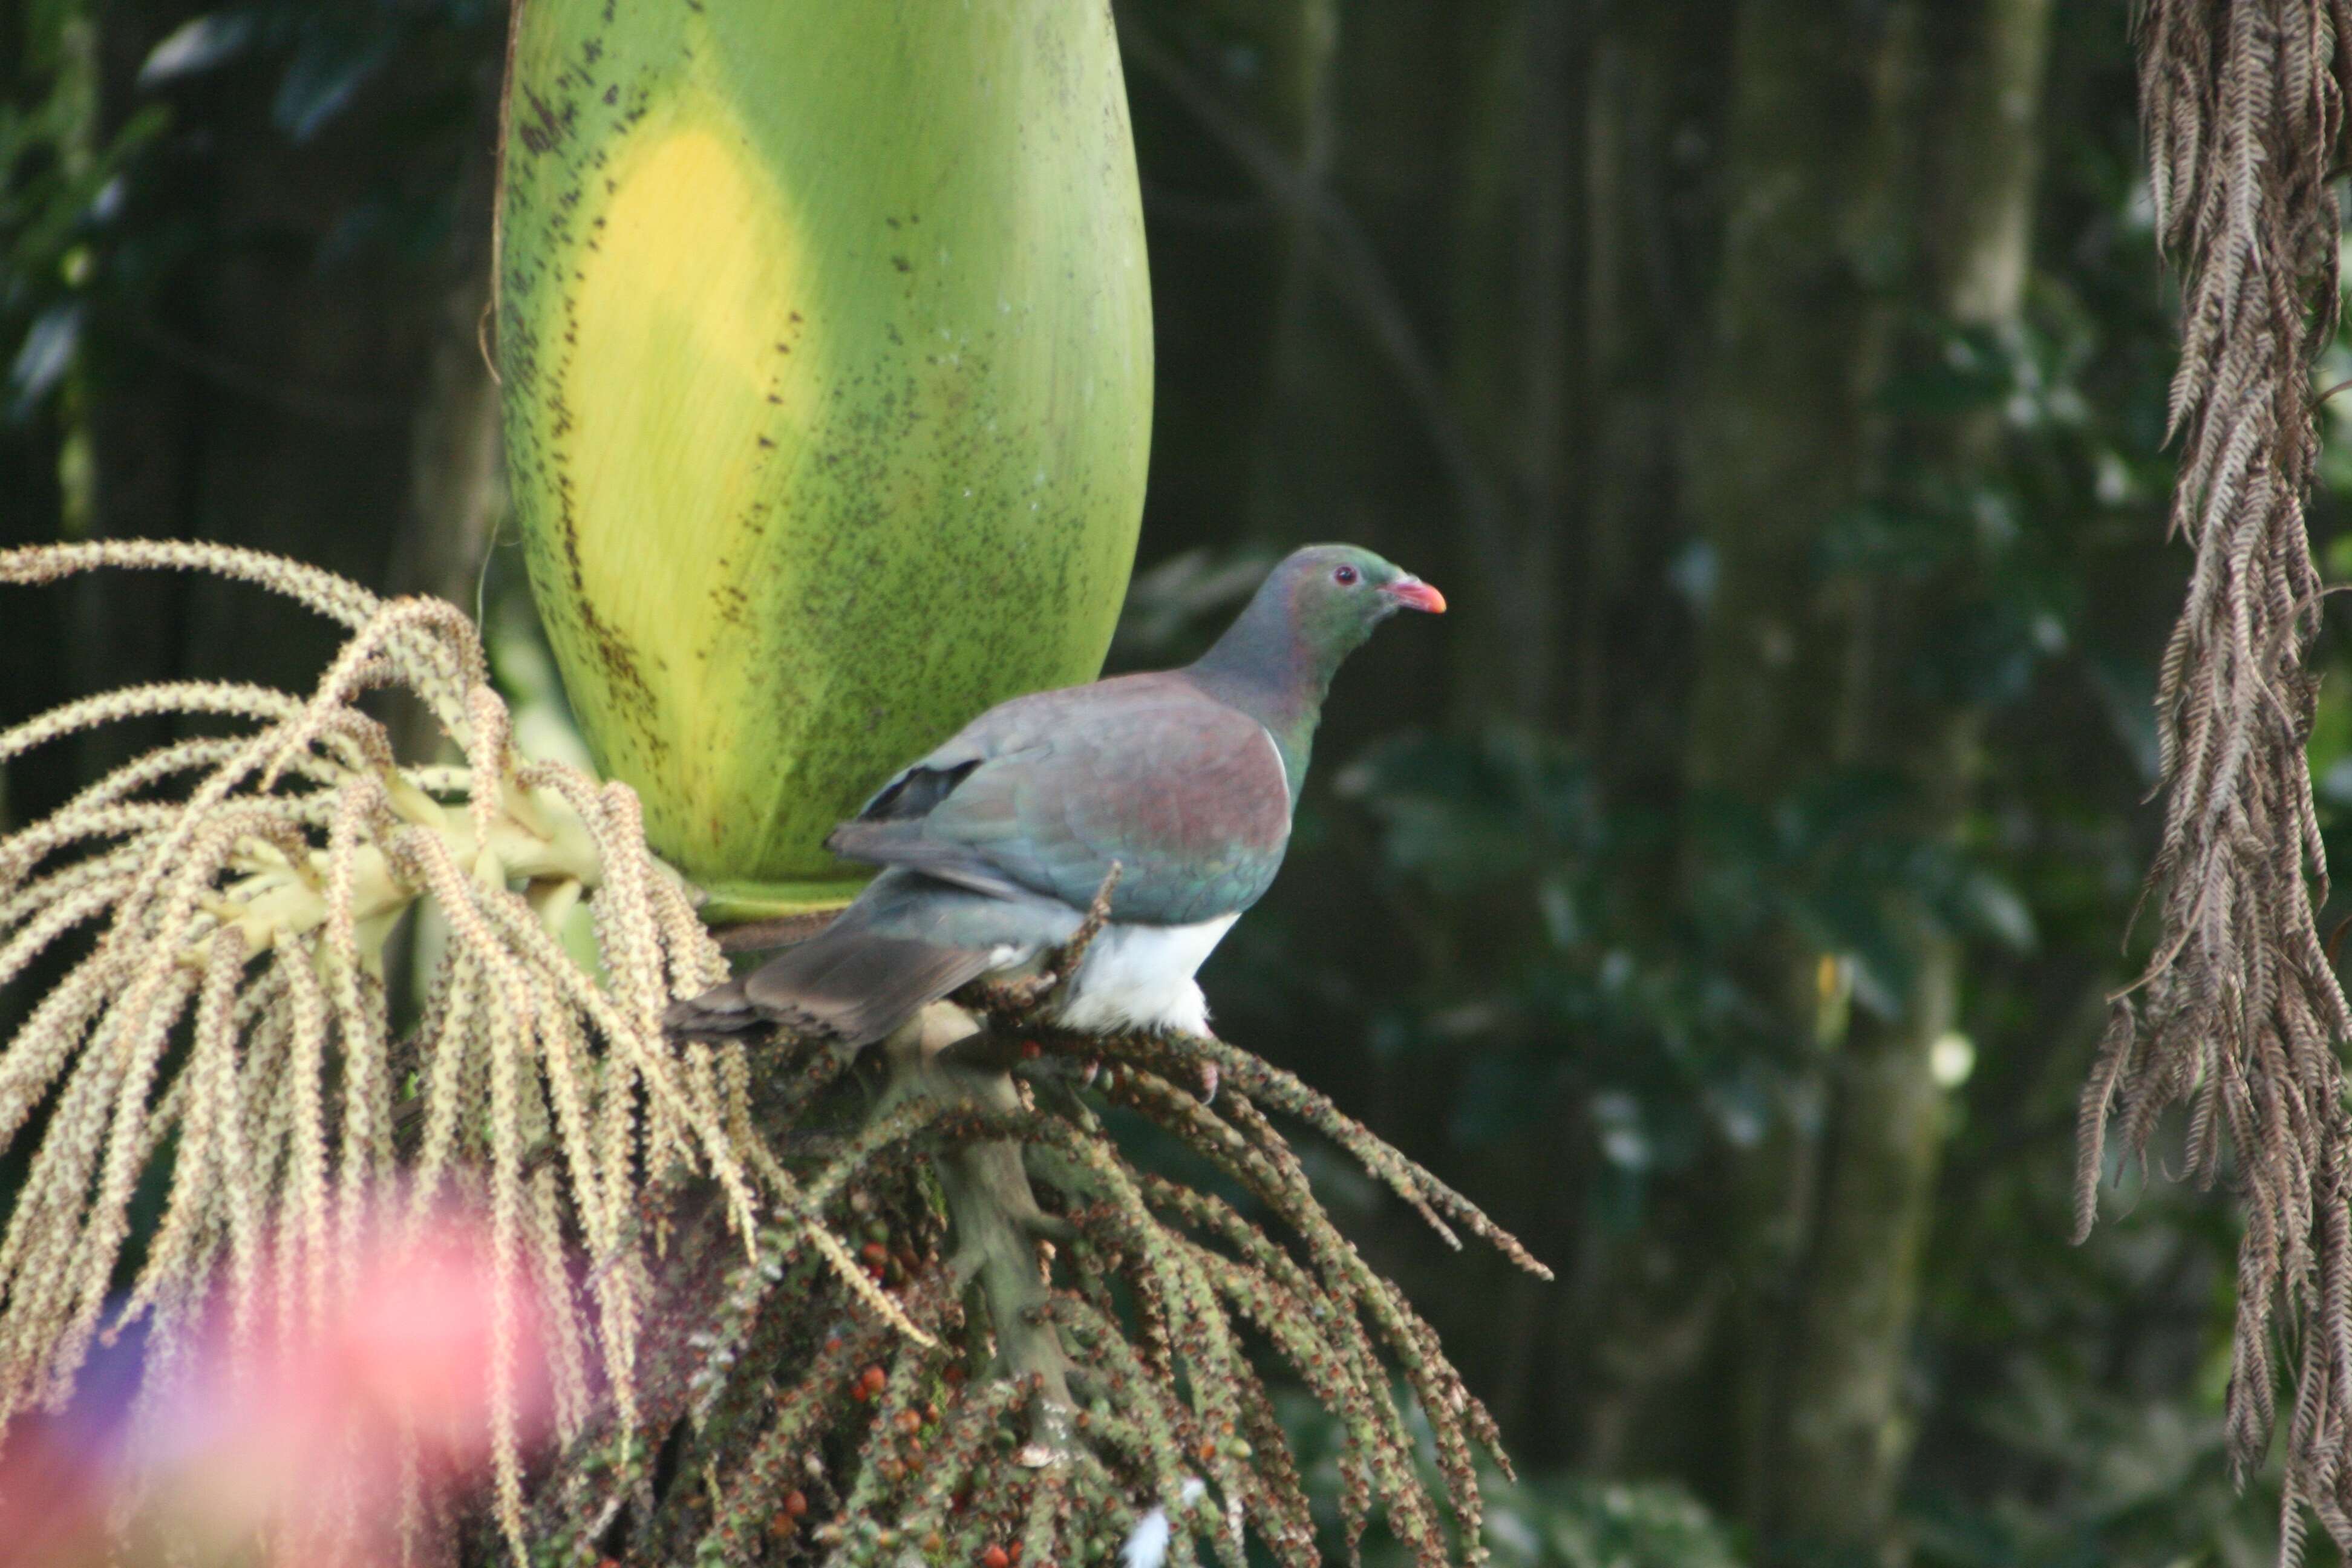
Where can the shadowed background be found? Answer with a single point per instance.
(1724, 893)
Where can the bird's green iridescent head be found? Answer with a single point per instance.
(1313, 609)
(1335, 593)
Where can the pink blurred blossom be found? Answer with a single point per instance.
(302, 1445)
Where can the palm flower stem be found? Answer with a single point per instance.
(991, 1208)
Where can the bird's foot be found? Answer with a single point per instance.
(1062, 964)
(1012, 998)
(1073, 951)
(1022, 998)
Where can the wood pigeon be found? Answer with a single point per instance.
(994, 845)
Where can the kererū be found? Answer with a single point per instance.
(994, 846)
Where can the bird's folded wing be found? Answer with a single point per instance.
(1043, 794)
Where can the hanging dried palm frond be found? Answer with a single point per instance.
(2242, 105)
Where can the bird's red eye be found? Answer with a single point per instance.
(1345, 576)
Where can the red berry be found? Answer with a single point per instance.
(994, 1557)
(796, 1503)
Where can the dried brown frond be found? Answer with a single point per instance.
(2239, 1013)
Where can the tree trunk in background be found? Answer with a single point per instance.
(1845, 1431)
(1776, 449)
(1651, 75)
(1855, 146)
(1207, 133)
(1512, 359)
(1570, 352)
(1776, 446)
(1515, 343)
(1302, 38)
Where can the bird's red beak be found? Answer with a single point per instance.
(1415, 595)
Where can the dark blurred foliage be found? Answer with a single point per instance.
(244, 252)
(1464, 282)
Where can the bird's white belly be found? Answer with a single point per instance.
(1140, 977)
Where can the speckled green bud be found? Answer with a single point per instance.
(825, 340)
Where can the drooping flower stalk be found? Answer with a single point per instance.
(229, 902)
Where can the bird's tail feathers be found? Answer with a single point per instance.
(715, 1014)
(852, 986)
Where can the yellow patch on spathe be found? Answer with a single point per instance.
(689, 372)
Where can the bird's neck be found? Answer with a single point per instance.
(1264, 669)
